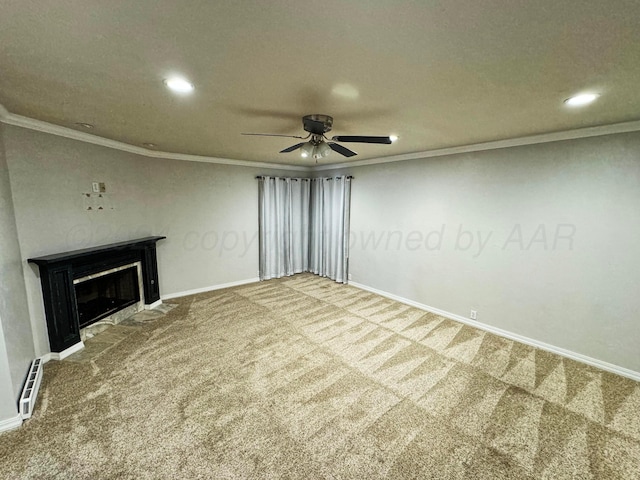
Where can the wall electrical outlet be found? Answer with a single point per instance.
(474, 315)
(350, 277)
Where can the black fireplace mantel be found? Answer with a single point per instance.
(59, 270)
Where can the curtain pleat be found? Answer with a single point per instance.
(316, 227)
(300, 225)
(304, 227)
(330, 216)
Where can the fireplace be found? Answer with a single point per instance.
(82, 287)
(99, 296)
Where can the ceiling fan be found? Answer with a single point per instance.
(317, 145)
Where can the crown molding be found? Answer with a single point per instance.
(625, 127)
(45, 127)
(41, 126)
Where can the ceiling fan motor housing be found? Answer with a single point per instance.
(317, 124)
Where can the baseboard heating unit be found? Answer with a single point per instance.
(30, 390)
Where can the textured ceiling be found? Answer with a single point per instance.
(437, 74)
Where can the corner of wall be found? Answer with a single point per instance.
(15, 322)
(8, 403)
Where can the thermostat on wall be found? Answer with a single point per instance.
(98, 187)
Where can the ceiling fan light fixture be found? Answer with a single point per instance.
(307, 150)
(321, 151)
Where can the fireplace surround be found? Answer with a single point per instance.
(62, 273)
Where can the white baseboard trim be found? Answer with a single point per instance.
(63, 354)
(153, 305)
(609, 367)
(10, 423)
(209, 289)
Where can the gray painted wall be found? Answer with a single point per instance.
(16, 335)
(8, 403)
(541, 240)
(208, 212)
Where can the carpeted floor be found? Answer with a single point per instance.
(304, 378)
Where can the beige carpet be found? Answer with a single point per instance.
(304, 378)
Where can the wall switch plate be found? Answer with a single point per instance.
(102, 187)
(474, 315)
(95, 187)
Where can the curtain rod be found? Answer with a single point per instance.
(296, 179)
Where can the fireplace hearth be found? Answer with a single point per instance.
(83, 286)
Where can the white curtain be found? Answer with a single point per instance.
(329, 242)
(283, 227)
(304, 226)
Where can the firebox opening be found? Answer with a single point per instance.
(102, 296)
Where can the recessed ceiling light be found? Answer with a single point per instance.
(581, 99)
(393, 138)
(149, 145)
(88, 126)
(179, 85)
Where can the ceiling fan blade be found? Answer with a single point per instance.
(362, 139)
(341, 150)
(292, 148)
(273, 135)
